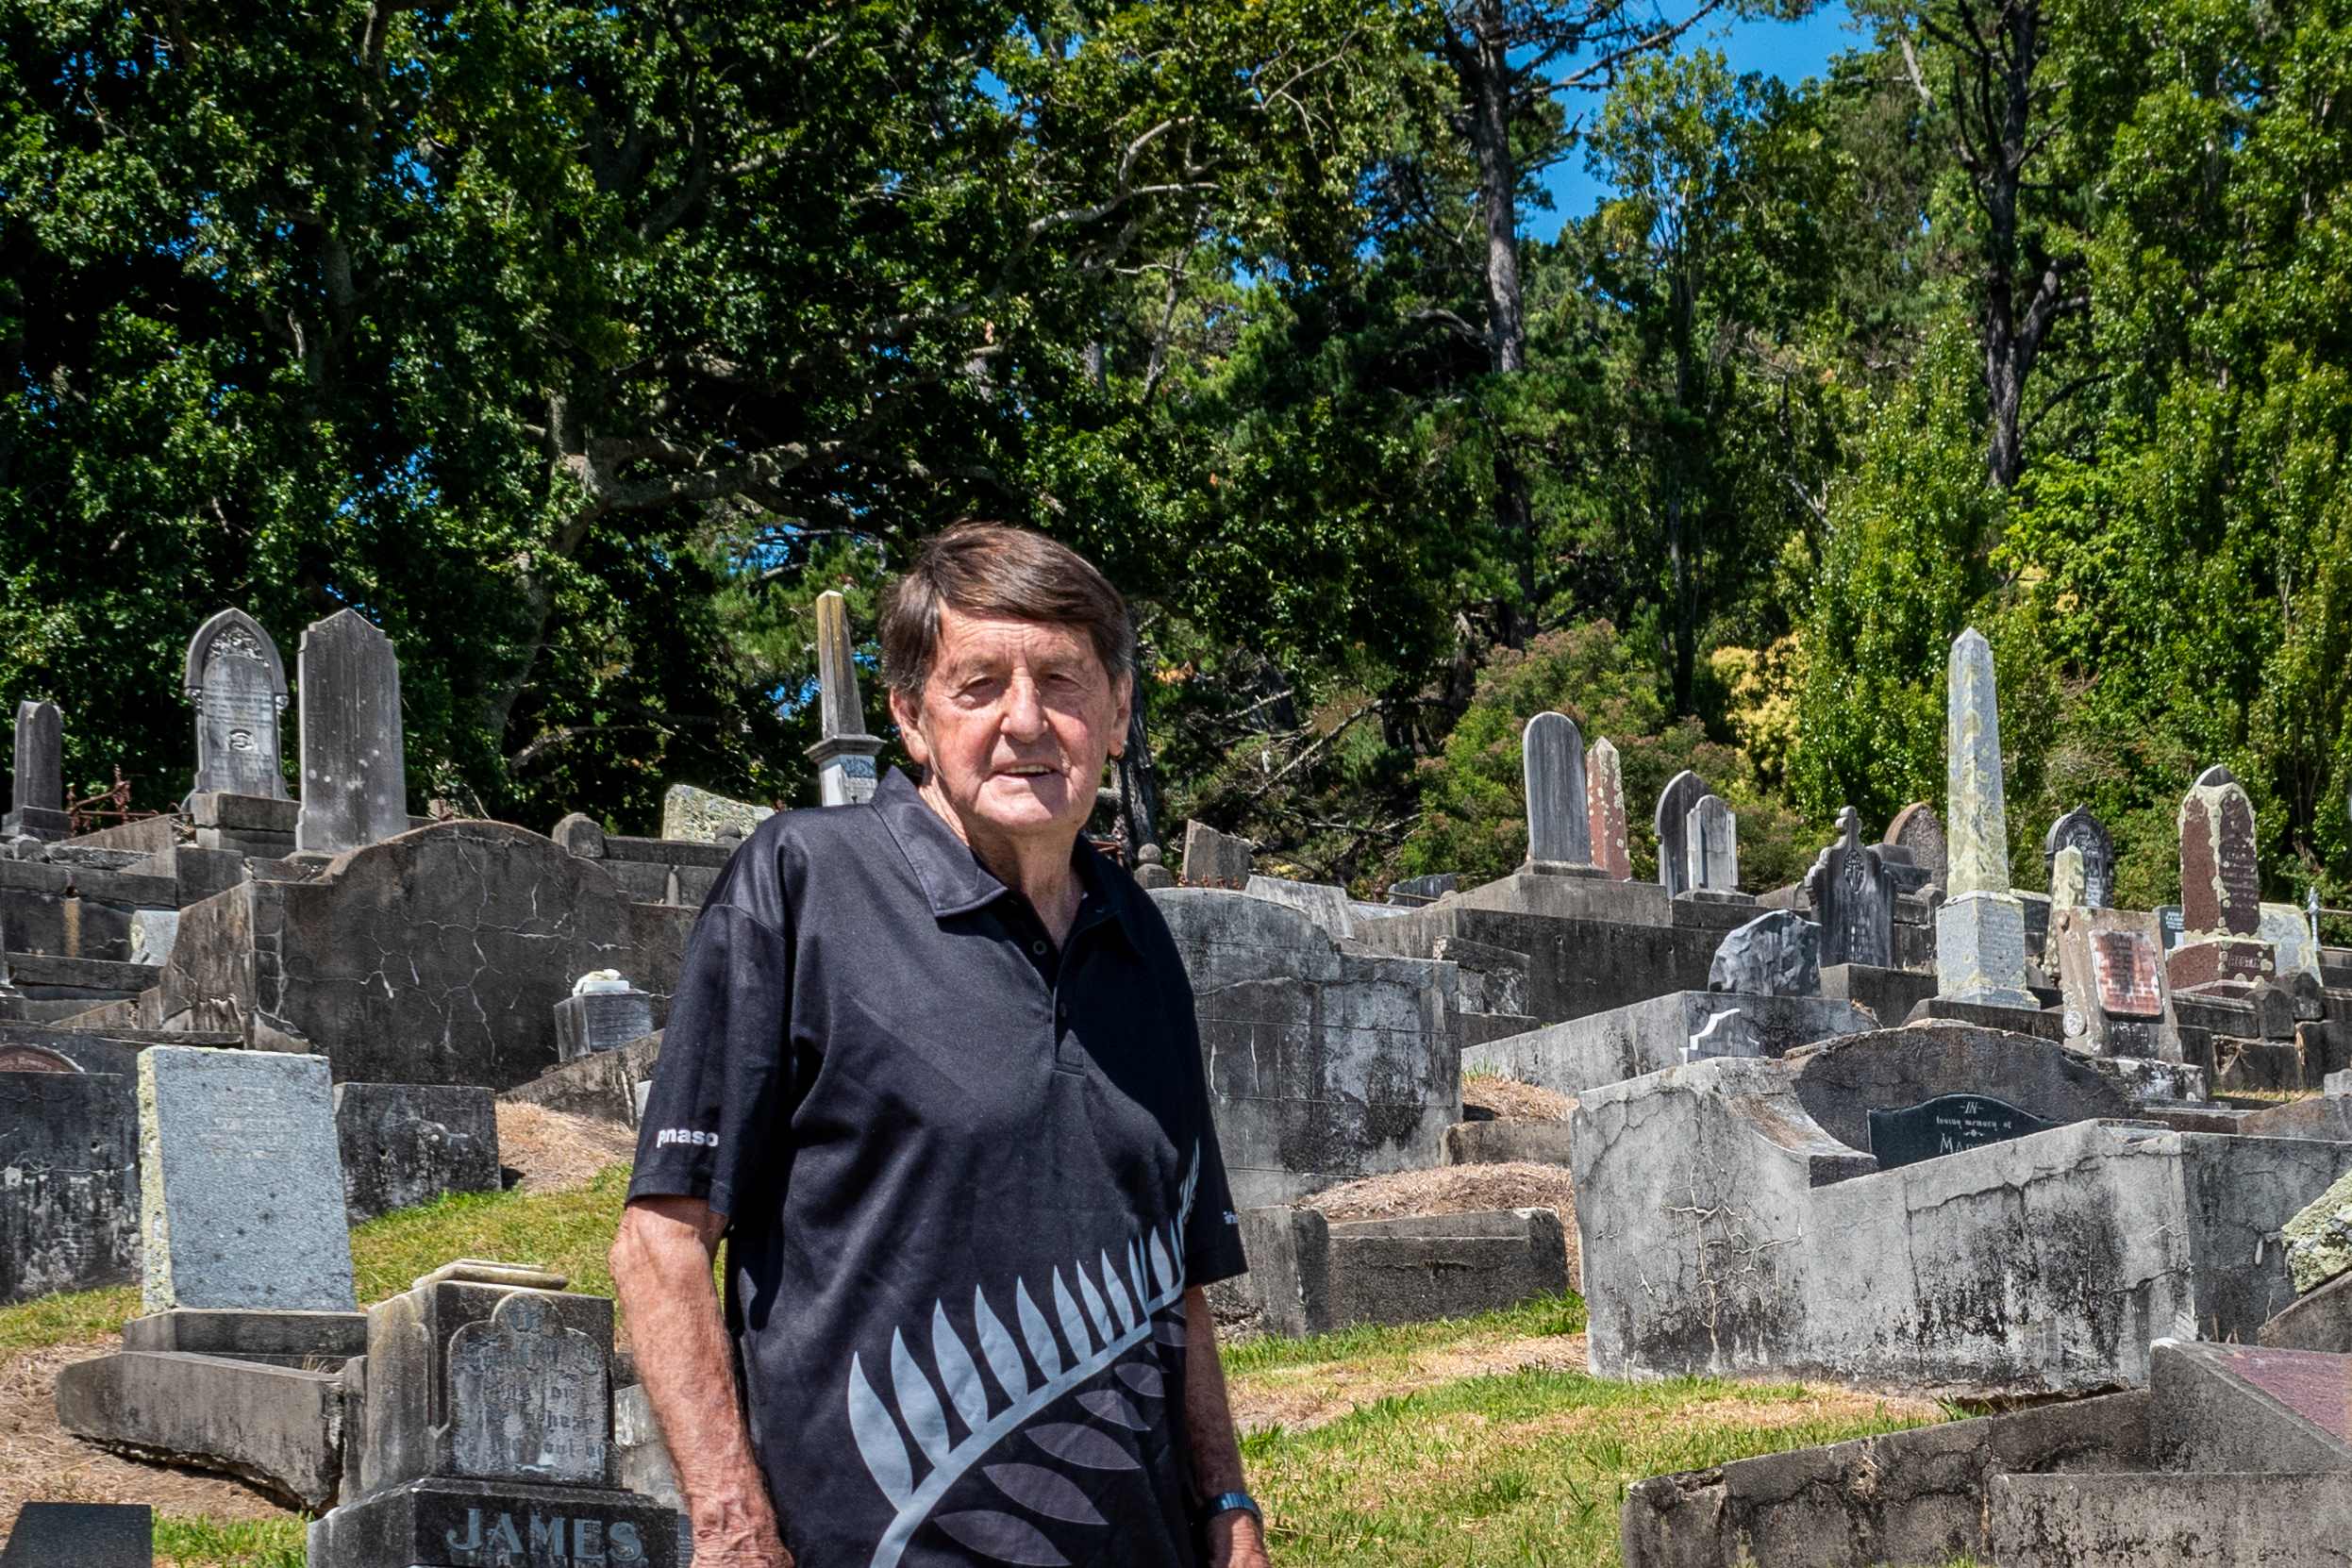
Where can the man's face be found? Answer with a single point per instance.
(1017, 719)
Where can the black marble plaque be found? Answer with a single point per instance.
(1946, 1124)
(81, 1535)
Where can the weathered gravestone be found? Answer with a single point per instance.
(237, 683)
(1980, 928)
(1918, 833)
(69, 1196)
(2221, 891)
(2283, 928)
(1712, 840)
(1946, 1124)
(603, 1013)
(407, 1144)
(1852, 894)
(38, 805)
(486, 1436)
(1672, 824)
(699, 816)
(2069, 882)
(1605, 810)
(1777, 954)
(1214, 860)
(240, 1182)
(2084, 833)
(2110, 969)
(81, 1535)
(843, 752)
(355, 779)
(1559, 820)
(1412, 891)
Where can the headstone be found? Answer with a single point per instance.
(582, 834)
(2289, 936)
(2081, 831)
(1214, 860)
(242, 1186)
(237, 682)
(1414, 891)
(407, 1144)
(1559, 820)
(844, 753)
(1981, 927)
(1712, 840)
(1918, 833)
(1852, 894)
(2109, 965)
(2220, 887)
(603, 1013)
(486, 1436)
(1777, 954)
(81, 1535)
(1605, 810)
(2173, 924)
(1672, 825)
(2069, 880)
(699, 816)
(37, 807)
(1946, 1124)
(355, 779)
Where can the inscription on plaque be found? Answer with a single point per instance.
(1946, 1124)
(541, 1536)
(33, 1058)
(2124, 964)
(529, 1397)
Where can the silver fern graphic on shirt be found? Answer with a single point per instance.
(903, 1438)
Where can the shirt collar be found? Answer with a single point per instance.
(954, 880)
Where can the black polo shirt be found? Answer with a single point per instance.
(968, 1177)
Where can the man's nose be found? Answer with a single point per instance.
(1024, 716)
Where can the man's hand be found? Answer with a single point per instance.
(1234, 1542)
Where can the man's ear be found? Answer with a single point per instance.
(1123, 693)
(908, 719)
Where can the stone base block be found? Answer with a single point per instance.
(2220, 961)
(2165, 1521)
(602, 1085)
(1889, 994)
(288, 1338)
(1991, 1015)
(1560, 868)
(280, 1427)
(1981, 950)
(1512, 1143)
(1309, 1277)
(452, 1524)
(36, 822)
(1647, 1037)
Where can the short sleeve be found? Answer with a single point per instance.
(709, 1116)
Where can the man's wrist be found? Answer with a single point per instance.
(1234, 1502)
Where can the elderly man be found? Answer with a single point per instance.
(933, 1069)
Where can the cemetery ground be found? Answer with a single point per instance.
(1474, 1440)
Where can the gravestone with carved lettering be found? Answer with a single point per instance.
(1711, 844)
(2221, 892)
(2088, 836)
(1852, 893)
(1605, 810)
(355, 779)
(1672, 823)
(1980, 927)
(240, 1182)
(37, 805)
(1918, 833)
(486, 1436)
(1946, 1124)
(237, 683)
(2110, 969)
(1559, 816)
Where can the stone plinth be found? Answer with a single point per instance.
(1981, 950)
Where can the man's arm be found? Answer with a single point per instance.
(1234, 1538)
(661, 1262)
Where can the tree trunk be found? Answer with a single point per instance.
(1484, 68)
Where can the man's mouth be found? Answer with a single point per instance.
(1028, 770)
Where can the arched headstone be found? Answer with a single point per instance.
(237, 684)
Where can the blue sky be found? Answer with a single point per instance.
(1788, 50)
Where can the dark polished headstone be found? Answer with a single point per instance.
(1552, 763)
(354, 788)
(2078, 829)
(1946, 1124)
(1672, 824)
(37, 803)
(237, 682)
(1852, 893)
(81, 1535)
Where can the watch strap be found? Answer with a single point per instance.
(1225, 1502)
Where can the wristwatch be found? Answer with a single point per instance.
(1225, 1502)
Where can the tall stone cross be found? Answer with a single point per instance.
(238, 685)
(37, 803)
(844, 753)
(2081, 831)
(1711, 844)
(1672, 823)
(1552, 763)
(1852, 893)
(355, 779)
(1605, 810)
(1980, 928)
